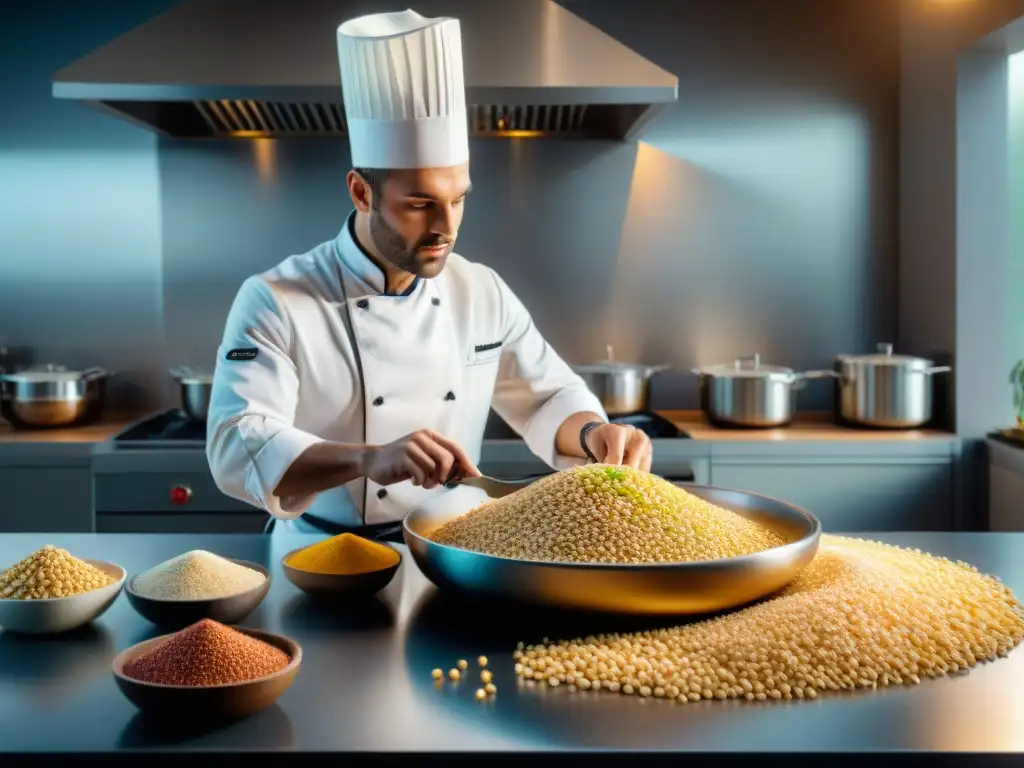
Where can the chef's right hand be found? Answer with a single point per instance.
(424, 457)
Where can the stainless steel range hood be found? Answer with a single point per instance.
(249, 68)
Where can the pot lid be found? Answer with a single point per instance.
(750, 367)
(186, 375)
(609, 365)
(50, 372)
(884, 356)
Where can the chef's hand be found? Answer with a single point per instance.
(424, 457)
(621, 444)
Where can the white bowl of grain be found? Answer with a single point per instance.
(198, 585)
(51, 591)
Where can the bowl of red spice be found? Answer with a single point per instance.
(208, 671)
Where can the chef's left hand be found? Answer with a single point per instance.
(621, 444)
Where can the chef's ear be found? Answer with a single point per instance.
(360, 190)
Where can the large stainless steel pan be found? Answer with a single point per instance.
(683, 588)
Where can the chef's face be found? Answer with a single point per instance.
(415, 218)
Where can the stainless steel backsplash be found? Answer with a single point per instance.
(759, 214)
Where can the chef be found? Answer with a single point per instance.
(352, 381)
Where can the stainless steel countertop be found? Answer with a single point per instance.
(365, 683)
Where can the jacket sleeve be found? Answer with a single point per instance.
(535, 389)
(251, 438)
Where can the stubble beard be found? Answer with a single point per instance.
(393, 248)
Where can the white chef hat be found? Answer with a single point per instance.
(402, 82)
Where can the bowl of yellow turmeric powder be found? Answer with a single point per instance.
(345, 564)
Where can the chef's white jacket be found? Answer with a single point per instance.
(290, 374)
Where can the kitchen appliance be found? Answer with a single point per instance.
(883, 390)
(48, 396)
(168, 429)
(154, 477)
(623, 388)
(656, 588)
(195, 391)
(532, 68)
(749, 394)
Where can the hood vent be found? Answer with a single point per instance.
(251, 119)
(244, 69)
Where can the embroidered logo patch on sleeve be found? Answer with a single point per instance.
(248, 353)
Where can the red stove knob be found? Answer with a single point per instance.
(181, 494)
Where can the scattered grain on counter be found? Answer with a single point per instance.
(51, 572)
(344, 554)
(490, 689)
(480, 694)
(454, 674)
(482, 661)
(437, 674)
(486, 676)
(462, 664)
(605, 514)
(862, 614)
(208, 653)
(196, 575)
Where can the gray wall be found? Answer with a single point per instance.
(1012, 292)
(759, 214)
(953, 266)
(80, 212)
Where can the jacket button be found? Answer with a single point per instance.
(381, 493)
(450, 396)
(435, 301)
(378, 400)
(363, 303)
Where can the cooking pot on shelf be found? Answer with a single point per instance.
(52, 396)
(195, 391)
(623, 388)
(883, 389)
(746, 393)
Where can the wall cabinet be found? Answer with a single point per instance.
(913, 494)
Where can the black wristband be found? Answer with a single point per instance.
(583, 439)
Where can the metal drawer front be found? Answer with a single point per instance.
(178, 523)
(178, 492)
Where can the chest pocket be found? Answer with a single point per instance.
(479, 377)
(482, 354)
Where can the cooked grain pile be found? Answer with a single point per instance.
(605, 514)
(51, 572)
(862, 615)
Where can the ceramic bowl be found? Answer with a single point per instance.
(61, 614)
(176, 614)
(228, 701)
(340, 585)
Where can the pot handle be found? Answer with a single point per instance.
(92, 374)
(937, 369)
(652, 369)
(180, 372)
(821, 375)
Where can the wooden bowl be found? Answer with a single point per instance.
(340, 585)
(176, 614)
(228, 701)
(61, 614)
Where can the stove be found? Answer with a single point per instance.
(653, 425)
(169, 429)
